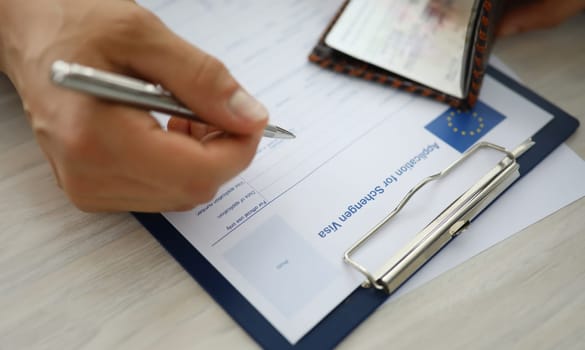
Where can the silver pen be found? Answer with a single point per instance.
(131, 91)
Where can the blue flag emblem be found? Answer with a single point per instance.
(461, 129)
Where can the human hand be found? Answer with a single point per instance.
(522, 16)
(108, 157)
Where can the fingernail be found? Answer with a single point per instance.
(246, 106)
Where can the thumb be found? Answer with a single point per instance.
(197, 79)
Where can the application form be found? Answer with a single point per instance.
(277, 232)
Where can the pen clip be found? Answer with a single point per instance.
(118, 88)
(446, 226)
(70, 73)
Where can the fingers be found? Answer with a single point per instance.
(136, 166)
(197, 79)
(179, 125)
(111, 157)
(186, 127)
(528, 17)
(212, 163)
(187, 172)
(538, 15)
(190, 173)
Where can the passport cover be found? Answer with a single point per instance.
(478, 47)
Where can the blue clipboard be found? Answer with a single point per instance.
(363, 301)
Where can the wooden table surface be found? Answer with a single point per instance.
(71, 280)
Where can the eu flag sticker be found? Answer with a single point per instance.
(462, 129)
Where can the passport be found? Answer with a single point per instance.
(434, 48)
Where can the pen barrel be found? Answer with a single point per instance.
(133, 92)
(115, 88)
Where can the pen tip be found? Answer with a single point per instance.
(278, 132)
(285, 133)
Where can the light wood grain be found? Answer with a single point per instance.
(71, 280)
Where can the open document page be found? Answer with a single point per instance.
(278, 231)
(422, 40)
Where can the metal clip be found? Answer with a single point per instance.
(446, 226)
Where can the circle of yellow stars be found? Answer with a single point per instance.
(469, 131)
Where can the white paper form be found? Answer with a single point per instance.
(278, 231)
(422, 40)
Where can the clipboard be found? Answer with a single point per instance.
(362, 301)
